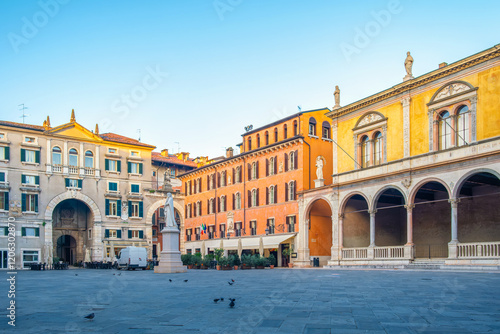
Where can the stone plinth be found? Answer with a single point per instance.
(319, 183)
(408, 77)
(170, 256)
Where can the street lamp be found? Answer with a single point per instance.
(267, 230)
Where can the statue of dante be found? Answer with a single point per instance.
(319, 167)
(408, 64)
(169, 211)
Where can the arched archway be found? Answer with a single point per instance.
(431, 220)
(478, 209)
(390, 218)
(320, 230)
(355, 222)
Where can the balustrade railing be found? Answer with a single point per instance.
(354, 253)
(393, 252)
(479, 250)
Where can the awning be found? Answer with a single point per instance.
(270, 241)
(231, 244)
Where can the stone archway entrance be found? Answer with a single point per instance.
(66, 249)
(320, 231)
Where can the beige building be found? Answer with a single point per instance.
(74, 194)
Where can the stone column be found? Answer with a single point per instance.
(473, 102)
(409, 231)
(97, 249)
(452, 246)
(48, 241)
(372, 227)
(334, 147)
(49, 156)
(336, 240)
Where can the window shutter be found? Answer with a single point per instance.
(6, 201)
(286, 192)
(119, 234)
(225, 203)
(276, 194)
(218, 180)
(185, 188)
(286, 162)
(119, 207)
(234, 178)
(218, 204)
(186, 211)
(140, 168)
(37, 180)
(249, 199)
(234, 202)
(201, 208)
(208, 182)
(129, 166)
(66, 181)
(106, 164)
(37, 157)
(267, 196)
(119, 166)
(129, 208)
(249, 172)
(257, 174)
(80, 183)
(208, 206)
(36, 202)
(23, 231)
(23, 178)
(267, 167)
(107, 207)
(141, 234)
(225, 178)
(257, 204)
(23, 196)
(296, 156)
(191, 210)
(37, 232)
(7, 153)
(2, 177)
(294, 190)
(129, 234)
(141, 209)
(23, 155)
(275, 165)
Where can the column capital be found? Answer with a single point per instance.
(341, 215)
(372, 212)
(454, 202)
(410, 207)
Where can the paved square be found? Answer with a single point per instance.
(267, 301)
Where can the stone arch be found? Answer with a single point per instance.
(383, 189)
(461, 181)
(448, 90)
(369, 118)
(416, 188)
(319, 212)
(348, 197)
(311, 203)
(73, 195)
(390, 216)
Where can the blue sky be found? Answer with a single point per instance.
(198, 72)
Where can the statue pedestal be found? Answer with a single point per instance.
(408, 77)
(319, 183)
(170, 256)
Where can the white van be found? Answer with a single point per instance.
(132, 257)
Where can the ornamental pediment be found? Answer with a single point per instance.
(370, 118)
(452, 89)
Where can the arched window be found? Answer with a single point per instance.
(275, 134)
(254, 198)
(249, 143)
(73, 157)
(285, 131)
(365, 151)
(270, 166)
(223, 179)
(258, 140)
(271, 195)
(326, 130)
(377, 148)
(254, 170)
(291, 191)
(295, 128)
(444, 130)
(222, 203)
(211, 206)
(267, 138)
(89, 159)
(291, 162)
(56, 156)
(237, 177)
(463, 135)
(312, 126)
(237, 201)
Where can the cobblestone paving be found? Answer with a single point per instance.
(267, 301)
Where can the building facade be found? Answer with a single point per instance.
(248, 202)
(416, 173)
(74, 194)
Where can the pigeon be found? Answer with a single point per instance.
(119, 274)
(216, 300)
(185, 280)
(232, 280)
(230, 283)
(170, 280)
(221, 299)
(90, 316)
(76, 274)
(114, 274)
(231, 304)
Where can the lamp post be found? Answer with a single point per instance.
(267, 230)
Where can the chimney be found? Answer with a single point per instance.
(443, 64)
(229, 152)
(164, 152)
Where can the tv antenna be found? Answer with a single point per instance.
(300, 108)
(22, 109)
(139, 132)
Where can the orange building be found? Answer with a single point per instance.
(247, 203)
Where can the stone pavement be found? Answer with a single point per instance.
(267, 301)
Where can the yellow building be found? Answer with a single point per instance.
(416, 172)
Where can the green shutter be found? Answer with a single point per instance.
(140, 169)
(23, 231)
(37, 232)
(141, 234)
(6, 201)
(23, 178)
(23, 155)
(7, 153)
(37, 180)
(129, 166)
(2, 177)
(37, 157)
(119, 234)
(119, 166)
(23, 196)
(36, 203)
(107, 207)
(80, 184)
(106, 233)
(129, 234)
(67, 182)
(140, 209)
(6, 230)
(129, 208)
(119, 207)
(106, 164)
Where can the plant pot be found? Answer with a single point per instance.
(290, 265)
(218, 267)
(203, 267)
(271, 266)
(235, 267)
(244, 267)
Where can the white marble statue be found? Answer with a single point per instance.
(408, 64)
(169, 211)
(336, 94)
(319, 167)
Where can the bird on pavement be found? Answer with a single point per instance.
(232, 280)
(185, 280)
(76, 274)
(170, 280)
(231, 304)
(216, 300)
(230, 283)
(221, 299)
(90, 316)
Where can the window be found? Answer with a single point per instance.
(445, 129)
(30, 180)
(326, 130)
(237, 177)
(4, 201)
(222, 230)
(134, 188)
(377, 148)
(237, 201)
(135, 209)
(463, 135)
(134, 153)
(292, 160)
(30, 202)
(134, 234)
(271, 166)
(249, 143)
(223, 179)
(211, 206)
(172, 174)
(2, 177)
(113, 207)
(275, 134)
(188, 234)
(30, 257)
(112, 151)
(211, 232)
(290, 191)
(198, 208)
(365, 151)
(112, 234)
(73, 183)
(258, 140)
(285, 131)
(271, 195)
(312, 126)
(73, 157)
(255, 198)
(89, 159)
(237, 229)
(295, 128)
(267, 138)
(89, 234)
(30, 140)
(30, 231)
(255, 170)
(270, 225)
(56, 156)
(290, 221)
(113, 186)
(2, 136)
(4, 153)
(112, 165)
(222, 204)
(134, 168)
(30, 156)
(253, 227)
(197, 233)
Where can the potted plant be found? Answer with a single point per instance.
(224, 263)
(272, 261)
(246, 260)
(197, 261)
(260, 262)
(219, 253)
(205, 263)
(287, 252)
(186, 258)
(234, 261)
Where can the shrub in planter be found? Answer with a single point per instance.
(205, 263)
(260, 262)
(197, 260)
(246, 260)
(271, 260)
(224, 263)
(186, 258)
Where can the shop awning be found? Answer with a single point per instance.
(230, 244)
(270, 241)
